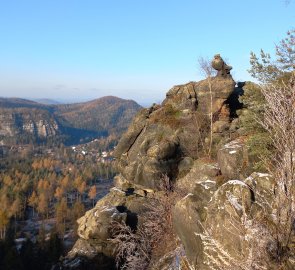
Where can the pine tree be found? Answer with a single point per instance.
(55, 247)
(33, 200)
(92, 194)
(42, 207)
(4, 220)
(258, 140)
(61, 214)
(267, 70)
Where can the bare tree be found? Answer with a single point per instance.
(279, 120)
(208, 71)
(132, 248)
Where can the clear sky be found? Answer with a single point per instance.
(136, 49)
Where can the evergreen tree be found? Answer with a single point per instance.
(258, 140)
(55, 247)
(61, 214)
(267, 70)
(28, 255)
(92, 194)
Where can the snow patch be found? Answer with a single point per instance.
(234, 201)
(186, 196)
(235, 182)
(250, 178)
(117, 190)
(263, 174)
(232, 145)
(210, 181)
(204, 184)
(106, 209)
(214, 166)
(114, 215)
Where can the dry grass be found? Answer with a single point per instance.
(153, 238)
(167, 115)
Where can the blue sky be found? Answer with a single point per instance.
(83, 49)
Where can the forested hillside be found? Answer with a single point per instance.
(24, 121)
(105, 115)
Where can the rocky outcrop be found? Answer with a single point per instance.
(209, 227)
(223, 70)
(163, 138)
(216, 219)
(166, 139)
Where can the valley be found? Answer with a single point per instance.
(55, 163)
(147, 135)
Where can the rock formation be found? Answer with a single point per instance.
(172, 139)
(222, 68)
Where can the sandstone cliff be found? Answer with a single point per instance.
(215, 217)
(27, 125)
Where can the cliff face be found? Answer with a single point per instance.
(33, 124)
(165, 139)
(214, 217)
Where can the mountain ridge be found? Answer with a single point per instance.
(67, 123)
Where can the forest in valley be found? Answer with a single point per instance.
(43, 191)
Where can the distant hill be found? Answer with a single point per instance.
(26, 121)
(20, 103)
(47, 101)
(107, 114)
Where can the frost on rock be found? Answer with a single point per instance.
(233, 159)
(213, 166)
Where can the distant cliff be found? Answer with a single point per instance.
(25, 121)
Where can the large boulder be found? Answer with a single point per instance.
(201, 171)
(94, 228)
(233, 159)
(190, 222)
(210, 224)
(96, 222)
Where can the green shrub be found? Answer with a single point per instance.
(258, 139)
